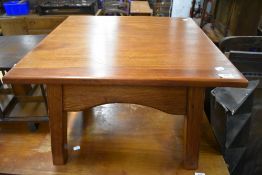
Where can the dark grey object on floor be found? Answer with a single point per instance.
(231, 111)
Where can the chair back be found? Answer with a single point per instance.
(241, 43)
(248, 63)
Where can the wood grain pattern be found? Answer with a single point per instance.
(57, 124)
(43, 22)
(128, 51)
(168, 99)
(39, 31)
(13, 26)
(30, 24)
(192, 129)
(140, 8)
(21, 89)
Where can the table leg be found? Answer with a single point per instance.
(57, 124)
(195, 109)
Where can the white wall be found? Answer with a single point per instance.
(181, 8)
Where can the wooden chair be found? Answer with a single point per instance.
(241, 43)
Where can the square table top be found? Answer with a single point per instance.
(127, 50)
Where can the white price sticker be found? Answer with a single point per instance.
(219, 68)
(75, 148)
(200, 174)
(226, 75)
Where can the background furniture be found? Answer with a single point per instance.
(115, 8)
(259, 29)
(235, 17)
(1, 7)
(14, 48)
(120, 69)
(250, 64)
(20, 102)
(230, 118)
(140, 8)
(236, 43)
(72, 7)
(162, 8)
(238, 17)
(207, 14)
(222, 18)
(241, 43)
(243, 153)
(29, 25)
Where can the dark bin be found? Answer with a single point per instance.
(230, 117)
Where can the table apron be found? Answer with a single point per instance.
(171, 100)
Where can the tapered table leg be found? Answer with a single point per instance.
(195, 108)
(57, 124)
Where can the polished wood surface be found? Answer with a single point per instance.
(140, 8)
(14, 48)
(142, 141)
(57, 124)
(195, 113)
(162, 98)
(126, 50)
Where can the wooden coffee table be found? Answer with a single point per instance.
(89, 61)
